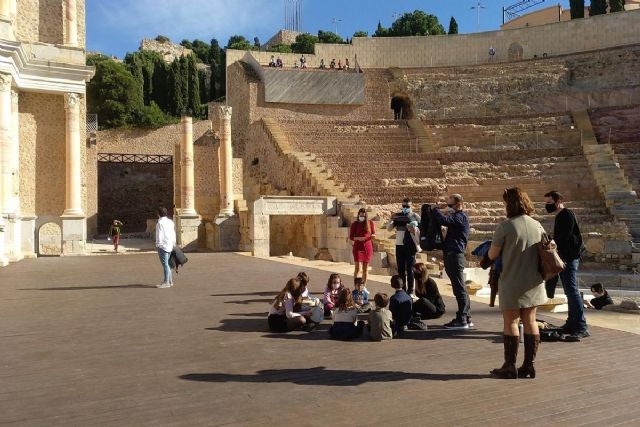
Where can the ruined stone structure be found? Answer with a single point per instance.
(467, 127)
(43, 200)
(168, 50)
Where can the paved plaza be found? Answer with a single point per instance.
(89, 341)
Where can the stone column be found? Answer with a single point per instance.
(71, 23)
(74, 225)
(187, 183)
(15, 226)
(188, 220)
(5, 164)
(226, 163)
(7, 9)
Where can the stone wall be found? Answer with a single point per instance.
(580, 35)
(43, 21)
(281, 37)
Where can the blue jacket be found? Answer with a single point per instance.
(457, 231)
(401, 308)
(483, 250)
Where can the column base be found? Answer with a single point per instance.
(28, 236)
(13, 242)
(224, 235)
(187, 231)
(4, 259)
(74, 235)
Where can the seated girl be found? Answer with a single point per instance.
(307, 298)
(282, 317)
(429, 303)
(601, 297)
(334, 286)
(345, 318)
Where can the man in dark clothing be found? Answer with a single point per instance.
(455, 243)
(405, 259)
(566, 234)
(400, 305)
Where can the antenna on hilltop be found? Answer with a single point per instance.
(335, 21)
(293, 15)
(477, 7)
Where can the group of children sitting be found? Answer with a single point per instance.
(295, 308)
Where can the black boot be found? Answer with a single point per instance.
(531, 344)
(508, 369)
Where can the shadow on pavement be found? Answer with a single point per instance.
(86, 288)
(326, 377)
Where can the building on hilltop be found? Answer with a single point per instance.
(287, 37)
(43, 77)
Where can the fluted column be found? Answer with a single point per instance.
(15, 152)
(71, 23)
(73, 201)
(187, 184)
(6, 139)
(226, 163)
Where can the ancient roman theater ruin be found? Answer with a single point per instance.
(558, 109)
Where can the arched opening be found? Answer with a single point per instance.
(402, 107)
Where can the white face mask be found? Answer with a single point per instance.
(335, 286)
(361, 218)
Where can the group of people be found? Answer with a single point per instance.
(521, 286)
(302, 63)
(295, 308)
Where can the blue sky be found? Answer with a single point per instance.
(116, 26)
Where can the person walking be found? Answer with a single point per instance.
(454, 246)
(566, 234)
(114, 233)
(361, 232)
(405, 260)
(521, 288)
(165, 241)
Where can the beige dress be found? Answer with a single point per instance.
(520, 284)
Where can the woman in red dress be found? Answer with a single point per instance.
(361, 233)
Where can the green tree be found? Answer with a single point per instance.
(360, 34)
(202, 50)
(215, 60)
(381, 31)
(329, 37)
(616, 5)
(453, 26)
(113, 94)
(193, 81)
(305, 43)
(184, 82)
(142, 65)
(577, 8)
(160, 92)
(186, 43)
(239, 43)
(280, 48)
(151, 116)
(598, 7)
(417, 23)
(175, 89)
(204, 80)
(163, 39)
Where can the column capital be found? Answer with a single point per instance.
(71, 100)
(225, 112)
(5, 82)
(15, 96)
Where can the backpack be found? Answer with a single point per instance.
(430, 230)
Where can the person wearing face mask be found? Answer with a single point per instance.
(361, 232)
(454, 246)
(566, 234)
(405, 258)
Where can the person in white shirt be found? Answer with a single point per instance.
(283, 316)
(165, 241)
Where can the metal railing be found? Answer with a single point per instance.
(92, 123)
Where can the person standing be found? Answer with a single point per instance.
(114, 233)
(521, 288)
(165, 241)
(405, 260)
(566, 234)
(454, 246)
(361, 232)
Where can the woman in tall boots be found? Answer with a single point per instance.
(521, 288)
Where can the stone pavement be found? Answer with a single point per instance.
(90, 341)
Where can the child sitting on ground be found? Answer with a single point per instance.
(307, 298)
(334, 286)
(601, 297)
(360, 295)
(345, 318)
(283, 317)
(380, 319)
(400, 306)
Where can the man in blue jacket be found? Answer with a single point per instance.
(454, 246)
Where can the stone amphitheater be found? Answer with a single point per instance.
(568, 121)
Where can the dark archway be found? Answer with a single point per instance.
(402, 107)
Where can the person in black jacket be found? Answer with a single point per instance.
(429, 303)
(566, 234)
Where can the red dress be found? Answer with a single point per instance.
(362, 251)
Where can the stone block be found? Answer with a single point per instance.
(74, 235)
(595, 246)
(50, 240)
(380, 260)
(617, 247)
(226, 234)
(28, 237)
(187, 232)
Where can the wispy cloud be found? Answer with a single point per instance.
(180, 19)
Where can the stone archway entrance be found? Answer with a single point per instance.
(266, 206)
(402, 107)
(131, 187)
